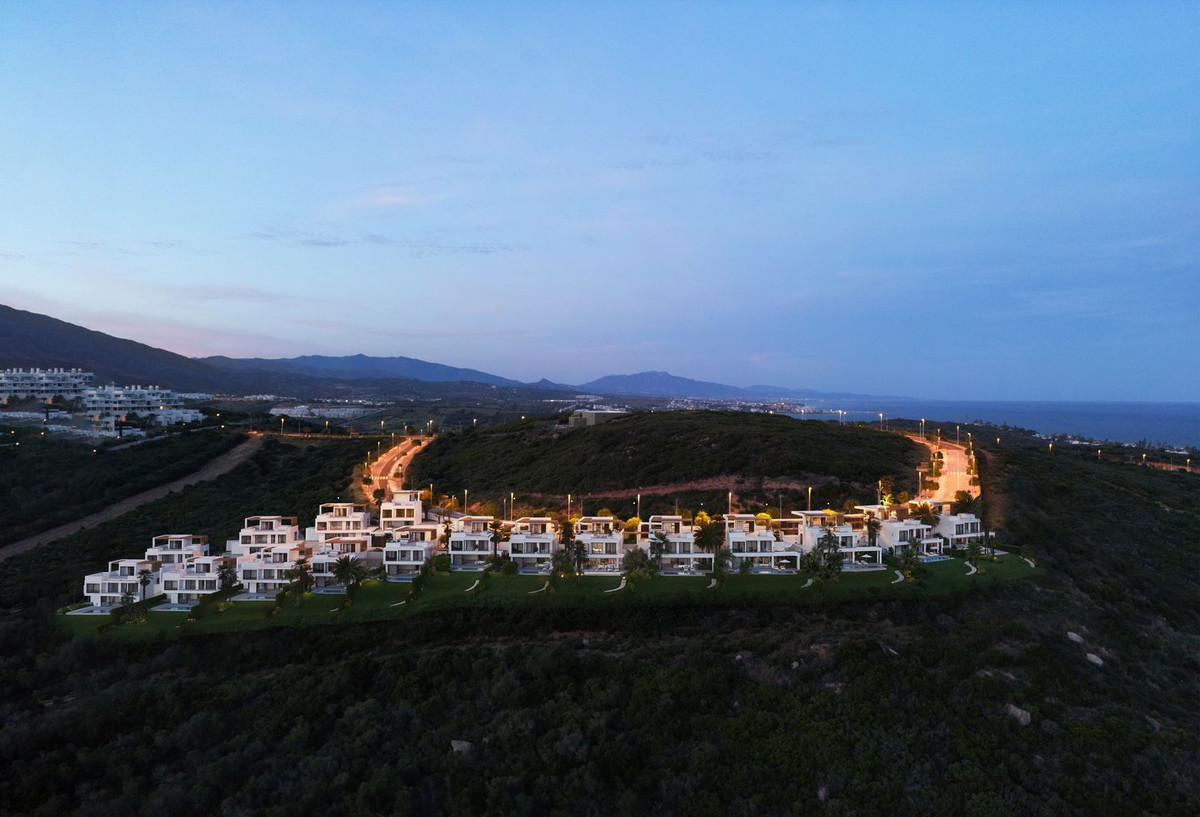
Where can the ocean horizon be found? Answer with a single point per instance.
(1160, 424)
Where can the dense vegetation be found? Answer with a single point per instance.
(658, 448)
(47, 481)
(887, 707)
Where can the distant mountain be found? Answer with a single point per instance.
(660, 384)
(359, 367)
(28, 339)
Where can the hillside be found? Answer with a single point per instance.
(863, 707)
(659, 448)
(28, 339)
(358, 367)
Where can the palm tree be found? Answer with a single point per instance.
(710, 538)
(965, 503)
(350, 573)
(830, 555)
(144, 577)
(497, 535)
(300, 575)
(658, 546)
(926, 515)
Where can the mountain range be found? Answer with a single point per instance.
(28, 339)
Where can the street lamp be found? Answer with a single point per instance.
(880, 425)
(956, 441)
(639, 506)
(810, 497)
(281, 426)
(922, 428)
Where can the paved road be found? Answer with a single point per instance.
(215, 468)
(954, 472)
(393, 460)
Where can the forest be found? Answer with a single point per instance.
(856, 707)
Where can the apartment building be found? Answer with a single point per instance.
(260, 532)
(959, 529)
(188, 582)
(43, 384)
(103, 402)
(854, 545)
(177, 548)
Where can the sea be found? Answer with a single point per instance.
(1173, 425)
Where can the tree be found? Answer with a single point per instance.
(910, 562)
(658, 546)
(926, 515)
(379, 494)
(710, 534)
(965, 503)
(301, 578)
(497, 536)
(974, 551)
(830, 556)
(636, 564)
(144, 578)
(349, 572)
(873, 527)
(227, 579)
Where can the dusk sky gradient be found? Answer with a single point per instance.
(992, 201)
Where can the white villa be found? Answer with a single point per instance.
(346, 526)
(853, 544)
(470, 542)
(403, 509)
(533, 542)
(185, 583)
(679, 550)
(960, 529)
(176, 548)
(265, 572)
(602, 539)
(750, 538)
(408, 548)
(106, 588)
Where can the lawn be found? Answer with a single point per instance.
(381, 600)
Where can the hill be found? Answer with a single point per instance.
(31, 340)
(359, 367)
(863, 707)
(658, 448)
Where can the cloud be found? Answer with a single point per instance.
(414, 247)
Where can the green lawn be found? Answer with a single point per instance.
(380, 600)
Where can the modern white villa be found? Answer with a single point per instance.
(751, 538)
(532, 543)
(602, 538)
(346, 526)
(470, 542)
(407, 548)
(679, 553)
(402, 510)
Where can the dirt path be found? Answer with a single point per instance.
(215, 468)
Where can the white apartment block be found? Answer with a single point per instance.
(403, 509)
(470, 542)
(679, 550)
(750, 538)
(532, 543)
(897, 534)
(120, 401)
(323, 562)
(43, 384)
(602, 539)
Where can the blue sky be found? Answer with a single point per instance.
(992, 201)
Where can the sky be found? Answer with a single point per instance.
(975, 201)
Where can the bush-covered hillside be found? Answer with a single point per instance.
(858, 708)
(47, 481)
(661, 448)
